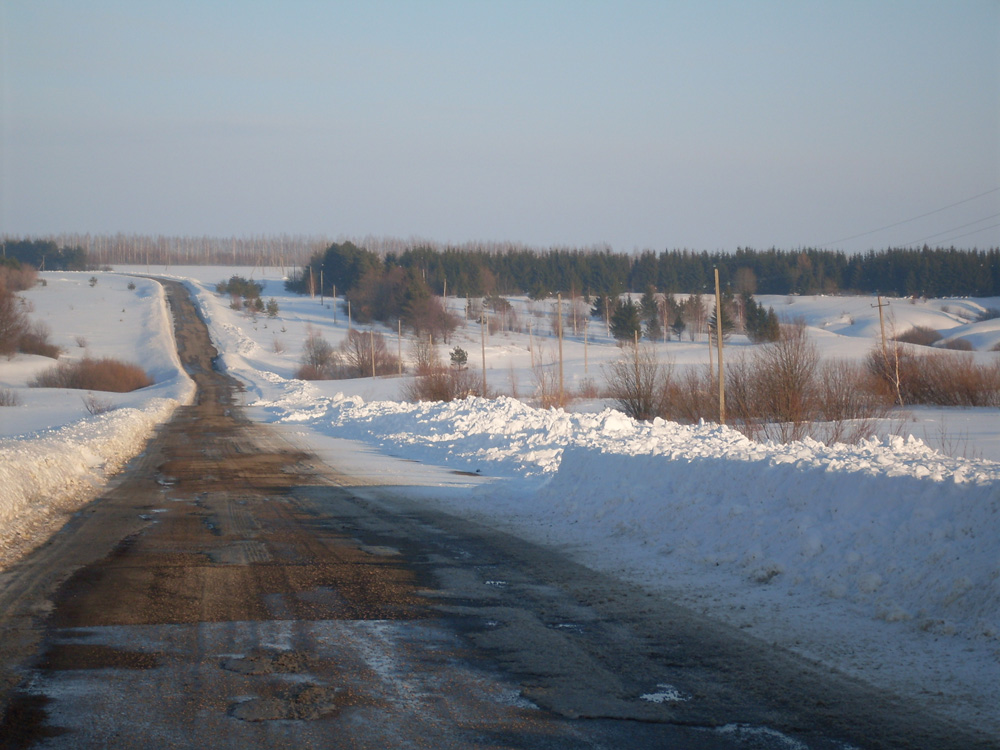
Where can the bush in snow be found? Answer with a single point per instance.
(35, 340)
(89, 374)
(939, 378)
(364, 352)
(320, 361)
(639, 384)
(919, 335)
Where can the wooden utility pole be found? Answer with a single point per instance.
(371, 342)
(321, 300)
(881, 324)
(560, 331)
(718, 337)
(482, 339)
(335, 304)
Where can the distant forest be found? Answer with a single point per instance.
(475, 273)
(510, 269)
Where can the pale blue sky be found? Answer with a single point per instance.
(707, 125)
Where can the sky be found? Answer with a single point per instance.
(845, 124)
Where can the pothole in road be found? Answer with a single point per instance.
(302, 703)
(266, 661)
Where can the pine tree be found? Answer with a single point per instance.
(625, 321)
(650, 311)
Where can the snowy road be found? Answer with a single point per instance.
(232, 591)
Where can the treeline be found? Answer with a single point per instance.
(480, 269)
(46, 255)
(931, 272)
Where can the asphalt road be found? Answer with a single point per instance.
(228, 590)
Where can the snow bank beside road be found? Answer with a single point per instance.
(898, 530)
(53, 452)
(47, 472)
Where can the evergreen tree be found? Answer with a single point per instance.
(649, 309)
(761, 326)
(728, 324)
(625, 320)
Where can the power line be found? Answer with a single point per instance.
(955, 229)
(907, 221)
(958, 236)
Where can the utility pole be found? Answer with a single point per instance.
(482, 339)
(560, 330)
(335, 304)
(321, 300)
(371, 342)
(881, 324)
(718, 337)
(399, 343)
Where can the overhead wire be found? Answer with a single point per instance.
(915, 218)
(959, 236)
(955, 229)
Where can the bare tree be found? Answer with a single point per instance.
(320, 361)
(639, 383)
(13, 321)
(365, 351)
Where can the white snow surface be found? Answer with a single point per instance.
(880, 560)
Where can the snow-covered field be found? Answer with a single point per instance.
(881, 560)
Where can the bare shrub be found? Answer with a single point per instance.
(781, 391)
(919, 335)
(545, 375)
(639, 383)
(278, 346)
(424, 355)
(17, 276)
(81, 341)
(694, 395)
(9, 398)
(784, 372)
(990, 313)
(958, 345)
(588, 389)
(440, 383)
(944, 379)
(365, 351)
(849, 402)
(13, 321)
(436, 382)
(89, 374)
(320, 361)
(35, 340)
(97, 405)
